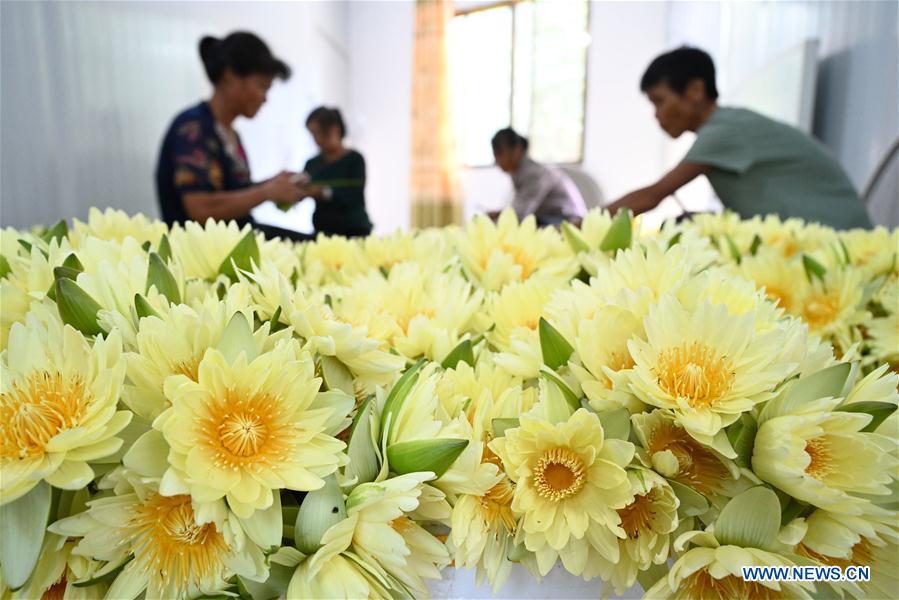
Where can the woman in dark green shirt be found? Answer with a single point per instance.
(335, 178)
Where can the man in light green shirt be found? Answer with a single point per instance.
(757, 166)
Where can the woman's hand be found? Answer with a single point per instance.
(282, 189)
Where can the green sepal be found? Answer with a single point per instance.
(813, 268)
(23, 525)
(555, 349)
(463, 352)
(435, 455)
(616, 424)
(76, 307)
(243, 256)
(879, 411)
(750, 520)
(620, 233)
(158, 274)
(501, 425)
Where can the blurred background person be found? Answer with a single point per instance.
(541, 191)
(335, 178)
(203, 171)
(756, 165)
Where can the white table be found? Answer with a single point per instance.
(558, 584)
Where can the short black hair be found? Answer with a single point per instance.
(508, 138)
(326, 118)
(242, 52)
(678, 68)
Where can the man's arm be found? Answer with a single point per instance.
(647, 198)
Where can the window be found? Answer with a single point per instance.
(523, 64)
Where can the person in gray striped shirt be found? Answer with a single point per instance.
(542, 191)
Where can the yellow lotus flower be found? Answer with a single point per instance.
(175, 342)
(325, 333)
(706, 365)
(820, 456)
(784, 281)
(58, 405)
(871, 249)
(430, 247)
(569, 484)
(648, 521)
(880, 385)
(419, 313)
(602, 359)
(333, 259)
(832, 308)
(164, 550)
(515, 312)
(495, 254)
(884, 331)
(484, 527)
(201, 249)
(715, 573)
(867, 540)
(245, 428)
(115, 225)
(56, 574)
(675, 454)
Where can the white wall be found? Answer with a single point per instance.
(380, 104)
(88, 90)
(857, 100)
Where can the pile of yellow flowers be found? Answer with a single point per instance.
(197, 412)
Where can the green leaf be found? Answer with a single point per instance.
(750, 520)
(813, 268)
(574, 238)
(61, 273)
(732, 247)
(76, 307)
(555, 348)
(500, 426)
(742, 439)
(165, 248)
(616, 424)
(619, 235)
(415, 456)
(159, 275)
(692, 503)
(846, 259)
(244, 254)
(336, 376)
(879, 411)
(754, 247)
(143, 308)
(463, 352)
(23, 524)
(58, 231)
(276, 584)
(238, 338)
(275, 323)
(361, 448)
(146, 246)
(793, 509)
(396, 398)
(675, 239)
(573, 402)
(320, 510)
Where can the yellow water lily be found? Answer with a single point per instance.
(783, 281)
(247, 428)
(707, 366)
(58, 408)
(515, 313)
(569, 484)
(495, 254)
(820, 456)
(115, 225)
(833, 307)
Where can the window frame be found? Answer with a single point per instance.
(511, 4)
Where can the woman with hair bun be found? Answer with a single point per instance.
(203, 171)
(335, 178)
